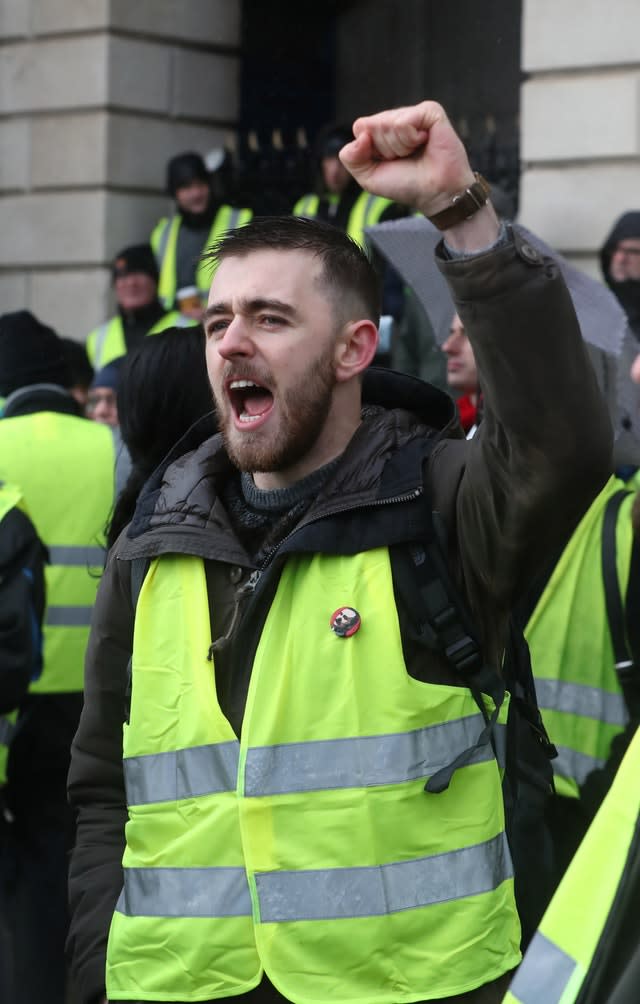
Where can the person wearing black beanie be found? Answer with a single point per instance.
(64, 466)
(30, 353)
(140, 311)
(199, 219)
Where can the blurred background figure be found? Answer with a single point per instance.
(102, 407)
(102, 400)
(620, 263)
(140, 311)
(163, 391)
(64, 467)
(200, 217)
(339, 200)
(79, 370)
(462, 375)
(414, 349)
(22, 598)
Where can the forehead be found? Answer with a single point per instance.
(280, 275)
(629, 243)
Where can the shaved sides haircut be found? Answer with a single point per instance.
(347, 274)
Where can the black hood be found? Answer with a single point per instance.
(628, 292)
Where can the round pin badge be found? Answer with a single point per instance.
(345, 621)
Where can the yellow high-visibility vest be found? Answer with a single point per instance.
(309, 849)
(65, 468)
(562, 951)
(571, 649)
(107, 341)
(164, 242)
(365, 212)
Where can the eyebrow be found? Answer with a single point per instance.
(251, 307)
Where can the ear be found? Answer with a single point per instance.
(355, 349)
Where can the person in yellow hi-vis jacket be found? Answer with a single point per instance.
(140, 311)
(64, 466)
(285, 792)
(199, 219)
(587, 948)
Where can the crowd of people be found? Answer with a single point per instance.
(318, 645)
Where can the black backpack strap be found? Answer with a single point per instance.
(438, 610)
(139, 568)
(625, 665)
(632, 602)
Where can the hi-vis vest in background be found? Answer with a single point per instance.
(69, 513)
(572, 654)
(558, 965)
(366, 212)
(164, 241)
(107, 341)
(309, 849)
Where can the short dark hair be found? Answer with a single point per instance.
(346, 270)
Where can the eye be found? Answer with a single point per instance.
(217, 327)
(272, 321)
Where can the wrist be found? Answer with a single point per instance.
(476, 234)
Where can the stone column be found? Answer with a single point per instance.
(580, 138)
(95, 96)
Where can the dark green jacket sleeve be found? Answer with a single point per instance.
(513, 494)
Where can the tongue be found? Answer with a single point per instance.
(257, 404)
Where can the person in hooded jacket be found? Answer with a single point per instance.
(620, 263)
(199, 218)
(281, 716)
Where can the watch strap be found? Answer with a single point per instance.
(464, 205)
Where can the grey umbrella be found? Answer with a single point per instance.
(408, 245)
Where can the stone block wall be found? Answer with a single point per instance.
(95, 96)
(580, 126)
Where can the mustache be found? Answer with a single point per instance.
(245, 371)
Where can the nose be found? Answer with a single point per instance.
(236, 340)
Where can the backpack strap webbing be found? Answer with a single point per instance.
(440, 617)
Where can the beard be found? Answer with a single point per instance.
(302, 414)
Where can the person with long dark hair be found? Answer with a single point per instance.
(163, 391)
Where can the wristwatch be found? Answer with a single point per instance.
(464, 205)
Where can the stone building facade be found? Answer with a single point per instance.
(95, 95)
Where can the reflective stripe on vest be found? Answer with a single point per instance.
(319, 847)
(307, 206)
(65, 468)
(82, 557)
(562, 951)
(320, 894)
(165, 245)
(366, 212)
(571, 649)
(338, 763)
(107, 342)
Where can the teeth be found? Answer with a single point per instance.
(248, 418)
(239, 384)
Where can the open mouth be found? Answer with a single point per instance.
(250, 401)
